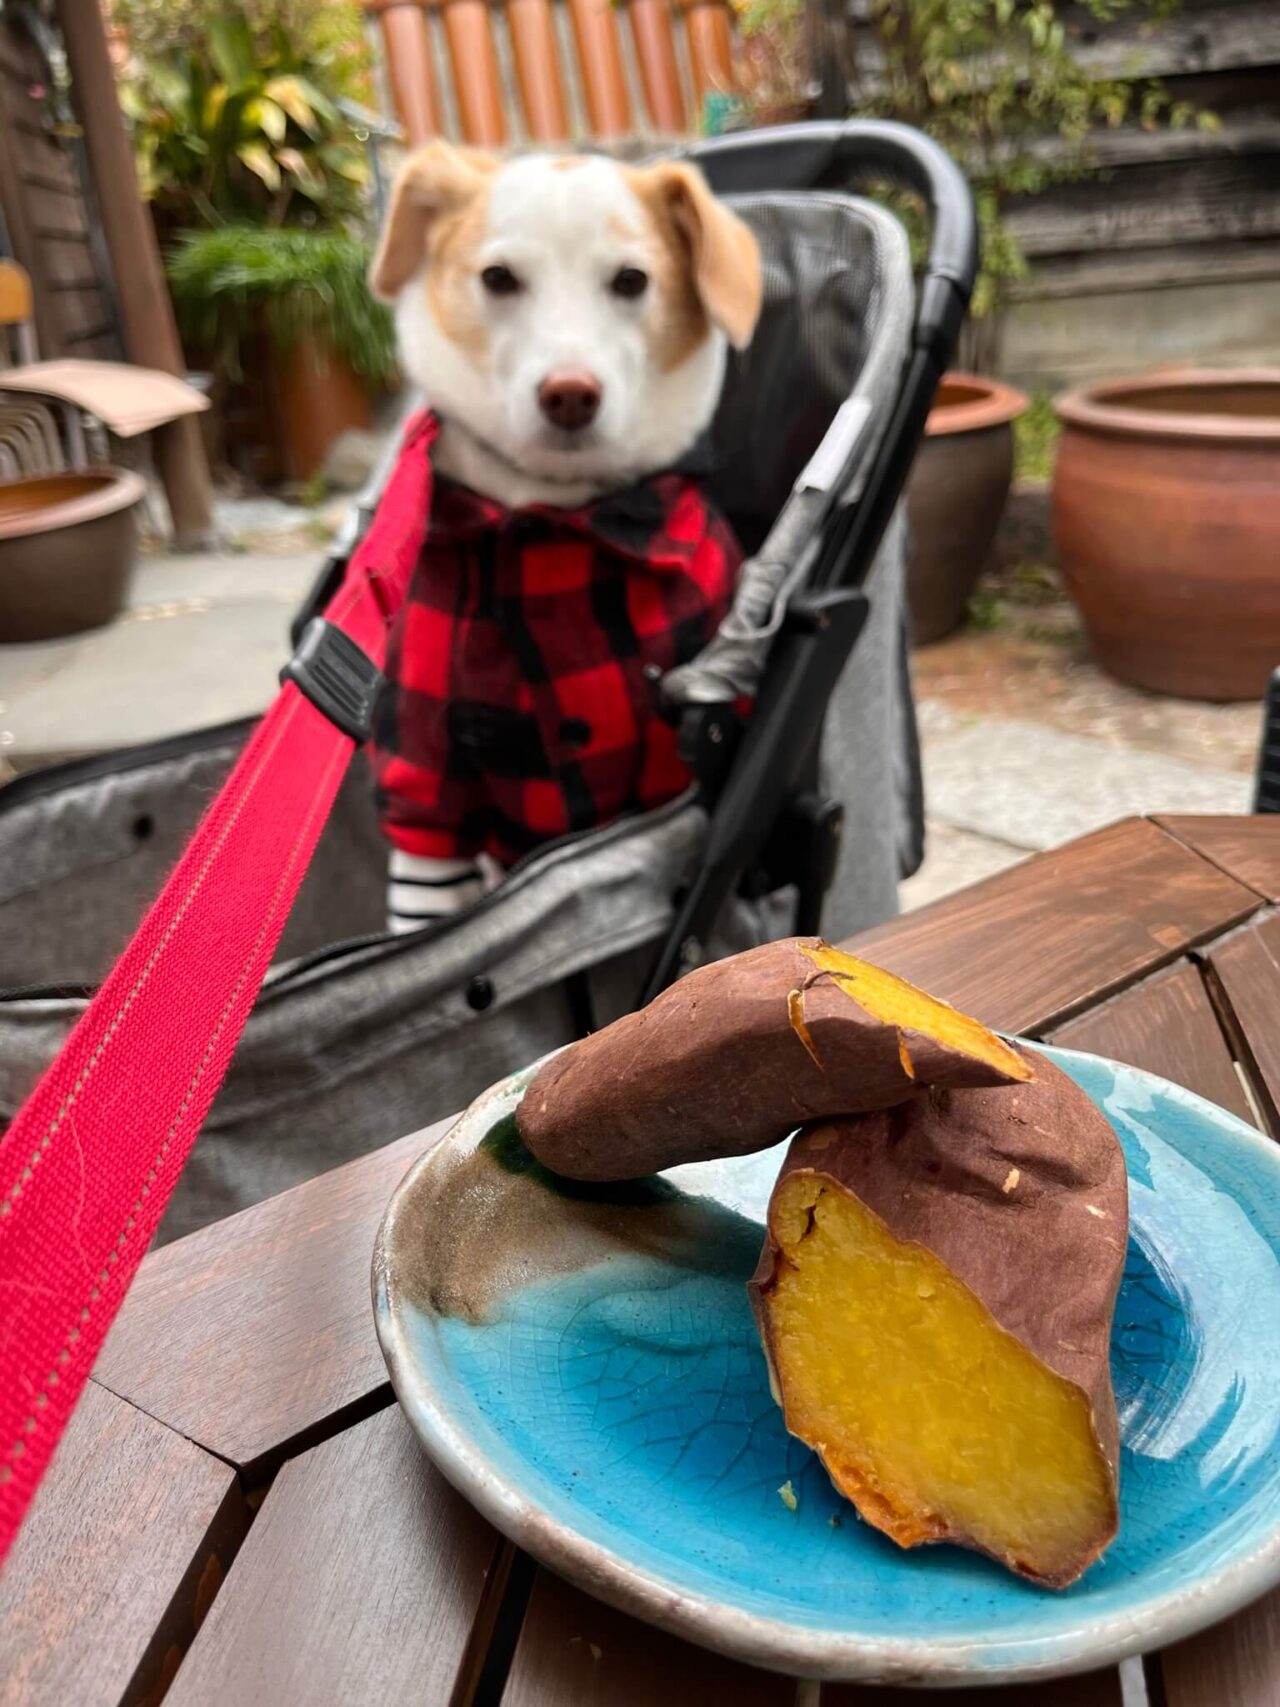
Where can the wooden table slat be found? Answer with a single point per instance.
(573, 1649)
(362, 1580)
(104, 1577)
(1028, 948)
(364, 1577)
(1093, 1689)
(1246, 965)
(1247, 848)
(251, 1337)
(1166, 1025)
(257, 1332)
(1236, 1664)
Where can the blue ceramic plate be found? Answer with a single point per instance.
(585, 1369)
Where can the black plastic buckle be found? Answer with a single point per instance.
(337, 676)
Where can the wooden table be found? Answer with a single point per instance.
(240, 1515)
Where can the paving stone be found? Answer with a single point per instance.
(201, 642)
(140, 680)
(935, 718)
(1034, 787)
(1025, 674)
(260, 515)
(22, 666)
(203, 581)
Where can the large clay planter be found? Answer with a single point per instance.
(1166, 511)
(958, 488)
(67, 546)
(320, 395)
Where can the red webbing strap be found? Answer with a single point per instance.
(91, 1158)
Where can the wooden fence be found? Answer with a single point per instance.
(492, 73)
(1174, 207)
(48, 223)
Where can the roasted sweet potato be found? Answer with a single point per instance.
(935, 1298)
(740, 1053)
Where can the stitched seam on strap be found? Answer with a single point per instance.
(343, 607)
(73, 1095)
(31, 1421)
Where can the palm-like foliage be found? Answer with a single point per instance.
(235, 125)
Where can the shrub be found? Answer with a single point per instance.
(997, 82)
(231, 284)
(236, 118)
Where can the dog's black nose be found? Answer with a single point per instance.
(570, 400)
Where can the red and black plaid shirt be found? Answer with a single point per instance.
(522, 674)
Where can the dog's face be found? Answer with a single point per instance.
(568, 313)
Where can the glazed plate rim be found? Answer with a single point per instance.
(800, 1649)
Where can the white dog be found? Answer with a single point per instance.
(567, 318)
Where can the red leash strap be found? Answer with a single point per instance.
(92, 1156)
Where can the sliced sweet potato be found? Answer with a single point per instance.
(935, 1298)
(738, 1054)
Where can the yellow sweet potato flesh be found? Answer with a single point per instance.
(893, 1001)
(933, 1420)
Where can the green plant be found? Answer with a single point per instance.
(987, 610)
(231, 284)
(314, 491)
(1000, 85)
(1034, 584)
(1035, 439)
(235, 118)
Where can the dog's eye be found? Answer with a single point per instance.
(629, 282)
(500, 281)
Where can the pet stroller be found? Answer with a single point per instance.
(804, 816)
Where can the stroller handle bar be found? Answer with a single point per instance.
(832, 154)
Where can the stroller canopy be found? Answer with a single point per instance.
(838, 304)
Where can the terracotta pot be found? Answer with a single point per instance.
(67, 546)
(958, 487)
(319, 395)
(1166, 511)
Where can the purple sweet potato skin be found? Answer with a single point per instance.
(1021, 1191)
(714, 1067)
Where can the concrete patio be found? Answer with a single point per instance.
(202, 641)
(1026, 742)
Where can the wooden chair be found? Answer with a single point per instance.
(17, 311)
(44, 405)
(495, 72)
(30, 442)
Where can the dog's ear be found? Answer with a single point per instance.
(435, 179)
(724, 256)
